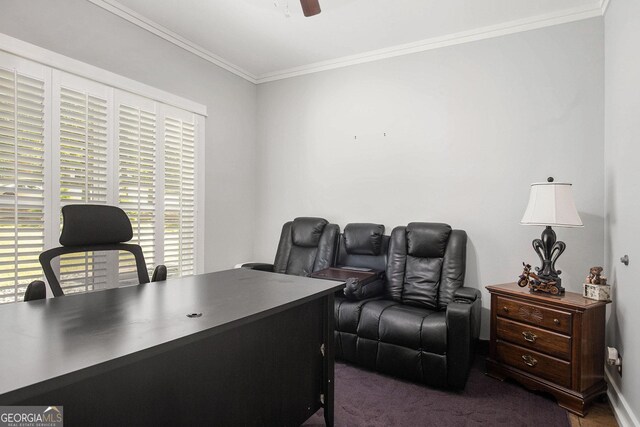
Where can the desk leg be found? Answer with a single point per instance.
(329, 355)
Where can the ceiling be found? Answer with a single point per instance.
(255, 39)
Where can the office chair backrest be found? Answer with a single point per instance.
(93, 228)
(84, 225)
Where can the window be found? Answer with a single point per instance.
(65, 139)
(179, 196)
(22, 171)
(83, 178)
(137, 182)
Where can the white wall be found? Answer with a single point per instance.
(83, 31)
(622, 229)
(468, 128)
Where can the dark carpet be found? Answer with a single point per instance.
(364, 398)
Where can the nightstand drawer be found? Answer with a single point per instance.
(559, 321)
(547, 342)
(543, 366)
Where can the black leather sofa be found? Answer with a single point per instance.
(419, 322)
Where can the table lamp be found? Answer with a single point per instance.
(550, 204)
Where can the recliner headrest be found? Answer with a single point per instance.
(86, 225)
(363, 239)
(306, 231)
(427, 239)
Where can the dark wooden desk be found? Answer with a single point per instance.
(131, 356)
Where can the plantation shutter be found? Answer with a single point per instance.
(65, 139)
(22, 171)
(179, 195)
(83, 177)
(137, 183)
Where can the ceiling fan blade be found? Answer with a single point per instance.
(310, 7)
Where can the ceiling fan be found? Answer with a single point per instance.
(310, 7)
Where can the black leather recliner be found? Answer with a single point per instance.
(425, 324)
(360, 246)
(306, 245)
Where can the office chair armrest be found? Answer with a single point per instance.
(159, 274)
(35, 290)
(260, 266)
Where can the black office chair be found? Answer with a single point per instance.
(35, 290)
(93, 228)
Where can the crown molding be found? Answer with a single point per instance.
(512, 27)
(168, 35)
(536, 22)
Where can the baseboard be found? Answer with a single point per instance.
(621, 409)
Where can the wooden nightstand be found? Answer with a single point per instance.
(549, 343)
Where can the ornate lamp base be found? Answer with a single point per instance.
(549, 250)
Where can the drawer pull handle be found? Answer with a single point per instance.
(529, 336)
(505, 308)
(556, 321)
(529, 360)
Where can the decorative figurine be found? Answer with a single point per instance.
(524, 277)
(537, 284)
(595, 278)
(595, 286)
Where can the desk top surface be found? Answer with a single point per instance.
(48, 339)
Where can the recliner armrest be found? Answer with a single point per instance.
(466, 295)
(356, 290)
(260, 266)
(463, 329)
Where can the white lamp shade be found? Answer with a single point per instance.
(551, 203)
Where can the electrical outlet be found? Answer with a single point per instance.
(620, 365)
